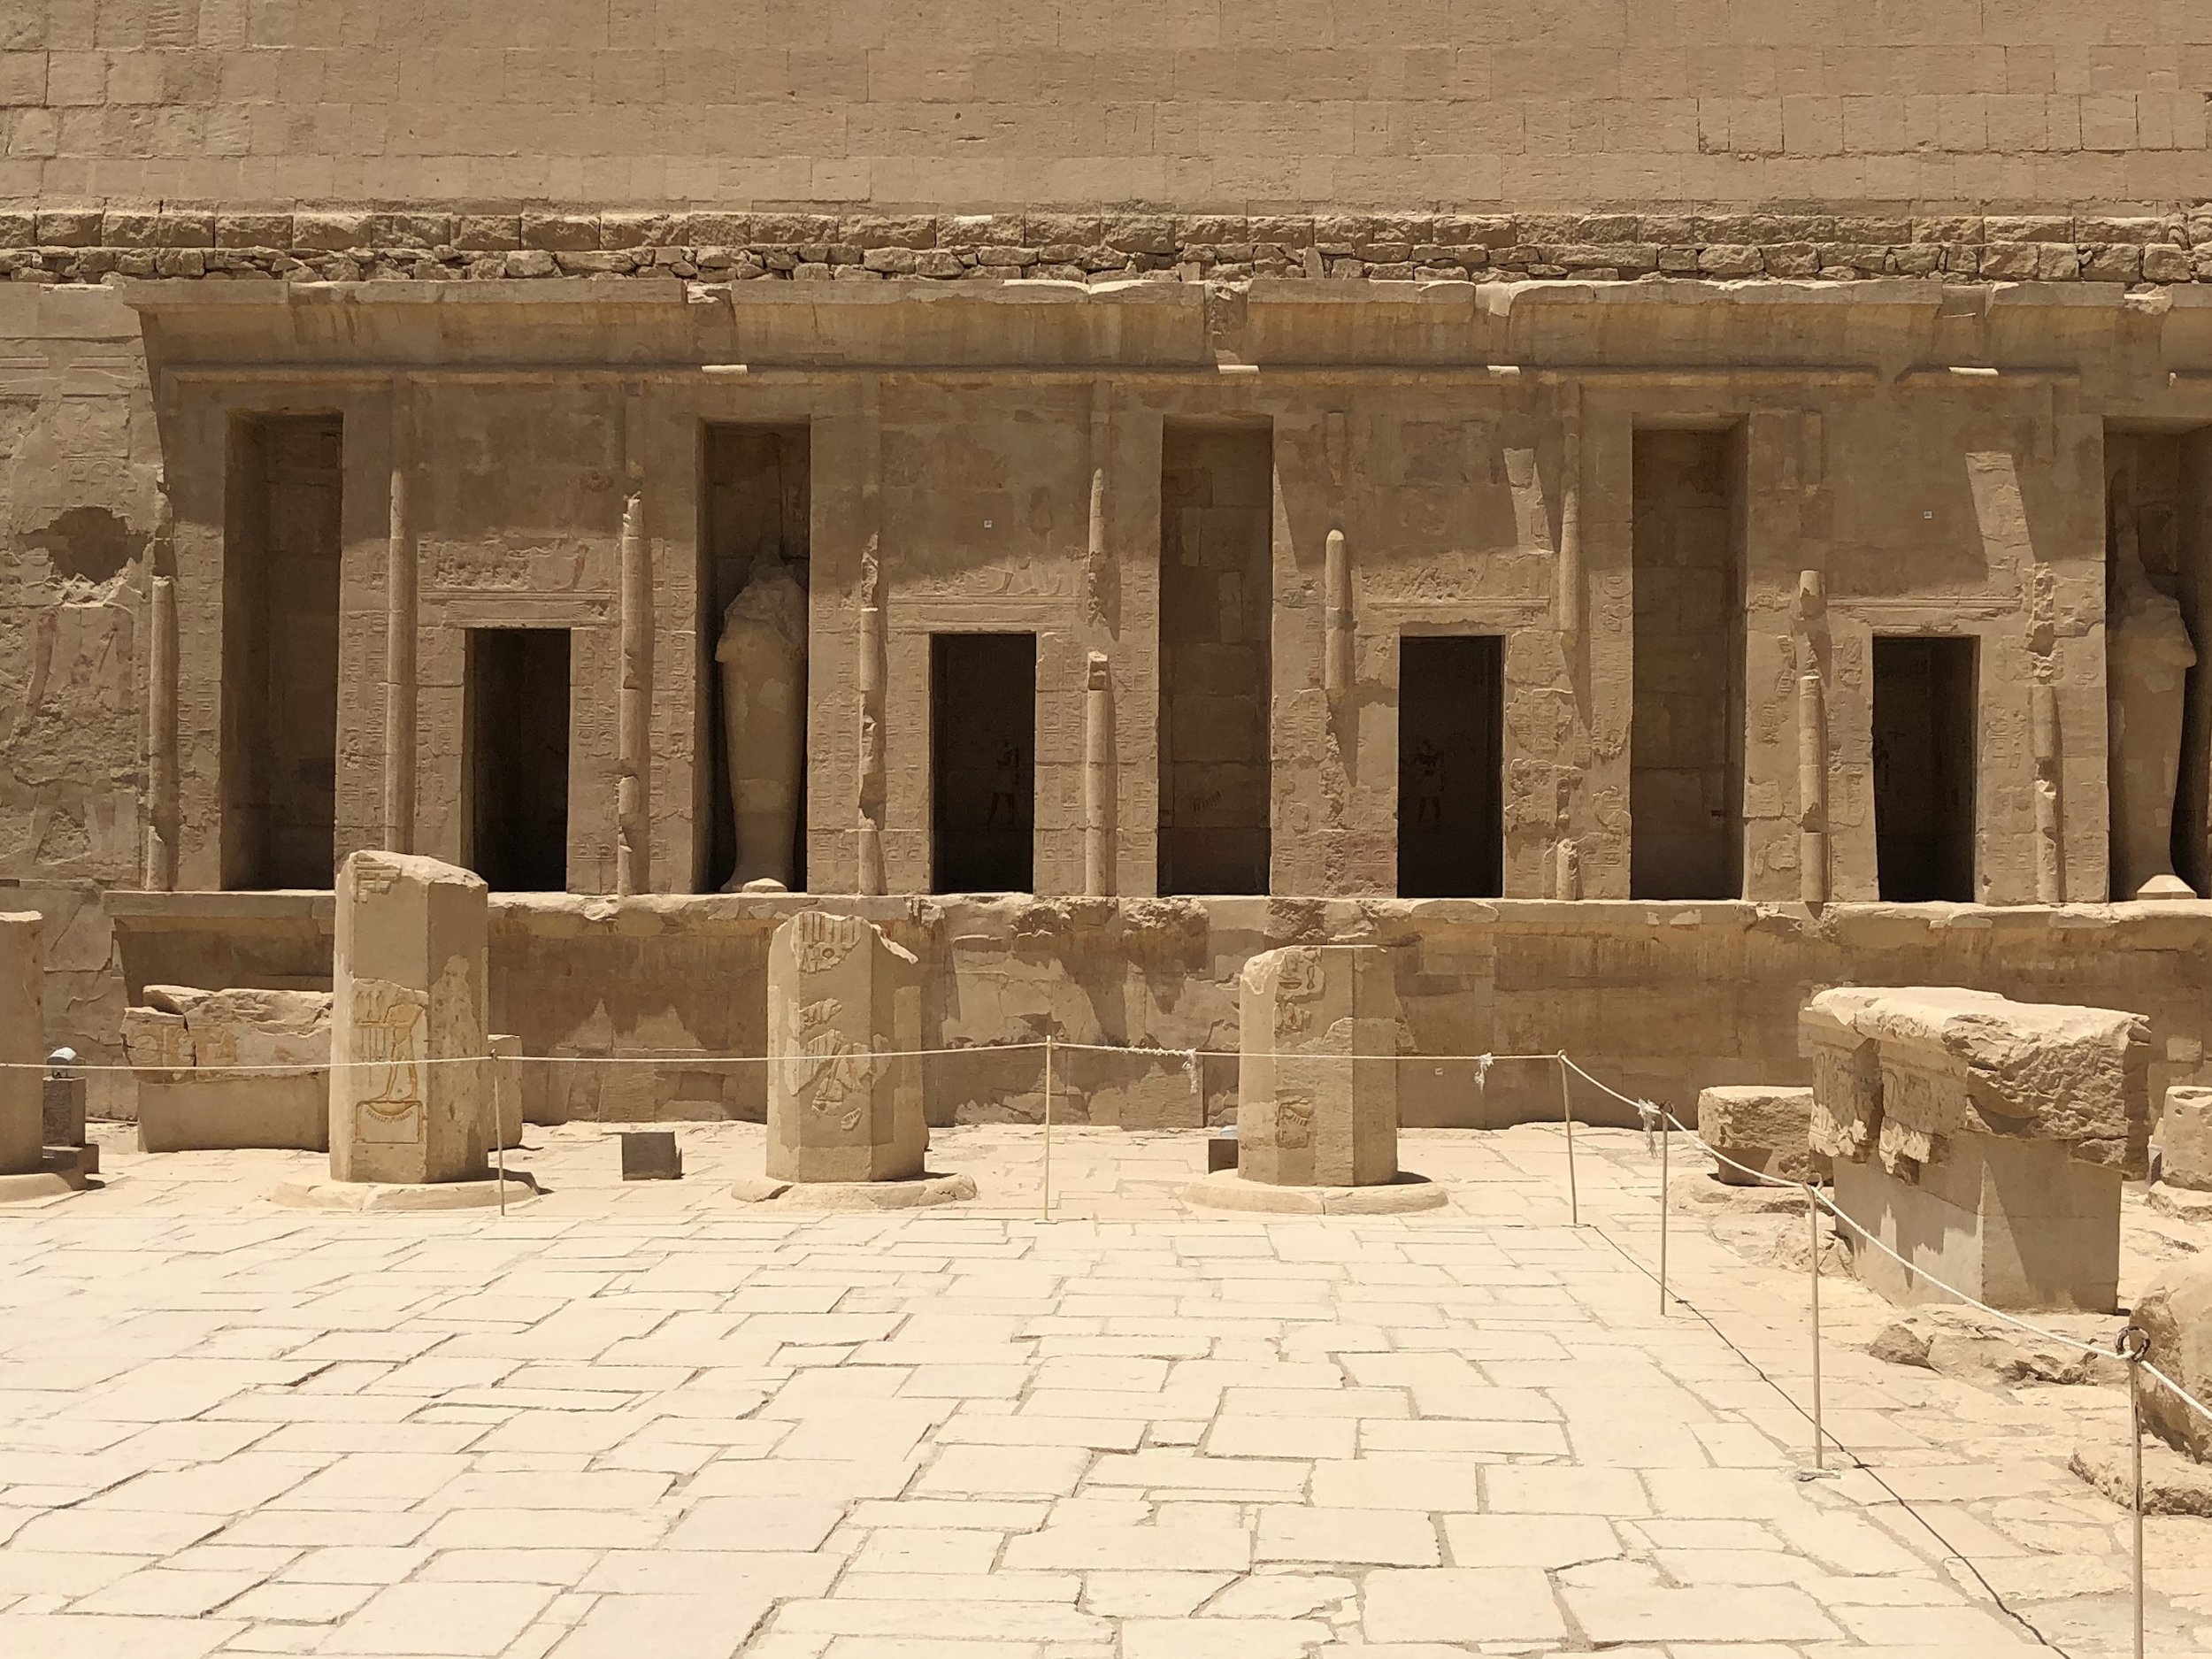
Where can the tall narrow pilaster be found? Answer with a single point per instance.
(400, 641)
(868, 665)
(633, 736)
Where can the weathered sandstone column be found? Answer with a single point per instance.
(845, 1105)
(1098, 777)
(412, 1092)
(762, 655)
(161, 734)
(2050, 768)
(400, 583)
(869, 650)
(633, 731)
(1812, 742)
(1317, 1086)
(1983, 1140)
(1338, 624)
(840, 993)
(1567, 572)
(22, 1043)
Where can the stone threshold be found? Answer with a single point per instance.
(90, 244)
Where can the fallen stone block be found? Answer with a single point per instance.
(2175, 1313)
(220, 1070)
(1768, 1129)
(651, 1154)
(1979, 1141)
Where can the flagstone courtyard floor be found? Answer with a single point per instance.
(645, 1421)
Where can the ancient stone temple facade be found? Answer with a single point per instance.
(1659, 511)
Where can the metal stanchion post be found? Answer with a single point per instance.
(2131, 1345)
(1812, 1241)
(1666, 1143)
(1567, 1116)
(499, 1140)
(1046, 1214)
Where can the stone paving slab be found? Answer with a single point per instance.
(644, 1419)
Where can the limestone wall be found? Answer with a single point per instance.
(642, 103)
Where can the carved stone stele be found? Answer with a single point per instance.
(411, 1088)
(844, 1084)
(762, 658)
(1308, 1113)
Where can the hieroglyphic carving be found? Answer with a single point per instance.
(390, 1023)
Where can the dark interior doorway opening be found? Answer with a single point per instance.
(1451, 736)
(1924, 768)
(516, 714)
(1217, 610)
(983, 754)
(280, 572)
(1685, 736)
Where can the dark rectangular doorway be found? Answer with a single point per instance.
(1451, 728)
(280, 577)
(517, 714)
(983, 754)
(1923, 769)
(1685, 724)
(1217, 609)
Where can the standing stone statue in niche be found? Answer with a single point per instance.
(2148, 655)
(762, 655)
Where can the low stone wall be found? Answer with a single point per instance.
(87, 245)
(1661, 999)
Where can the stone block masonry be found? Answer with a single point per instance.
(43, 245)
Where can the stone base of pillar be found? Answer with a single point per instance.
(1402, 1194)
(915, 1192)
(368, 1196)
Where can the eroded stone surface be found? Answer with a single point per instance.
(1318, 1090)
(1767, 1130)
(230, 1068)
(1980, 1142)
(2184, 1138)
(845, 1084)
(411, 1091)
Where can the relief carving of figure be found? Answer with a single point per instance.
(2148, 655)
(762, 658)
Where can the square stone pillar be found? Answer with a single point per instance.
(1982, 1140)
(22, 1043)
(1305, 1116)
(411, 1092)
(841, 994)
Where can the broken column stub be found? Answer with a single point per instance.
(844, 1083)
(1982, 1140)
(22, 1043)
(411, 1094)
(1307, 1116)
